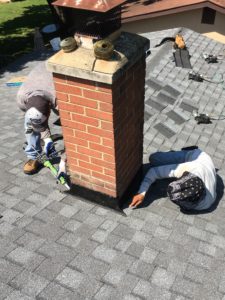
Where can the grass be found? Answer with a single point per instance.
(17, 23)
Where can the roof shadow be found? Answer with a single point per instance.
(20, 63)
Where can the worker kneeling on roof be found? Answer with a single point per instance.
(36, 97)
(195, 184)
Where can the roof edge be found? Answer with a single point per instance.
(165, 12)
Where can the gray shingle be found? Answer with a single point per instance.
(155, 104)
(165, 98)
(155, 84)
(177, 118)
(164, 130)
(174, 92)
(188, 105)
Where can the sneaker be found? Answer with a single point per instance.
(31, 166)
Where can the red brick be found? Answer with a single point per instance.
(102, 149)
(109, 158)
(85, 120)
(71, 152)
(106, 125)
(88, 137)
(98, 114)
(107, 107)
(104, 97)
(77, 169)
(64, 115)
(80, 182)
(82, 157)
(103, 163)
(110, 172)
(62, 96)
(67, 131)
(90, 166)
(110, 186)
(71, 107)
(89, 152)
(69, 146)
(68, 89)
(76, 141)
(108, 143)
(100, 132)
(59, 77)
(93, 180)
(104, 87)
(103, 177)
(83, 101)
(71, 160)
(71, 124)
(83, 83)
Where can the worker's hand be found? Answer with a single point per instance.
(49, 148)
(137, 200)
(62, 169)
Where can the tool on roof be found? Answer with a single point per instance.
(181, 54)
(195, 76)
(209, 58)
(178, 42)
(206, 118)
(217, 79)
(45, 161)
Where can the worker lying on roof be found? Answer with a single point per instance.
(195, 187)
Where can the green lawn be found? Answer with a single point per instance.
(17, 22)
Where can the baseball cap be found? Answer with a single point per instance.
(38, 110)
(187, 190)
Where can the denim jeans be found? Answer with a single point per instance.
(167, 158)
(33, 141)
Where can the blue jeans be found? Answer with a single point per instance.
(33, 142)
(167, 158)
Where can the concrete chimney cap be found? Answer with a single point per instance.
(98, 5)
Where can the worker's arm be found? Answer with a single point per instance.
(152, 175)
(62, 165)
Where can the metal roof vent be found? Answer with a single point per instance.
(97, 19)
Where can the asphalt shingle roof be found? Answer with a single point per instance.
(55, 246)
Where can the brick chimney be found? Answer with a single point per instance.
(101, 107)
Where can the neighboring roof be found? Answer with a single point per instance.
(145, 9)
(171, 98)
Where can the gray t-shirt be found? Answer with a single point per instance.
(39, 82)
